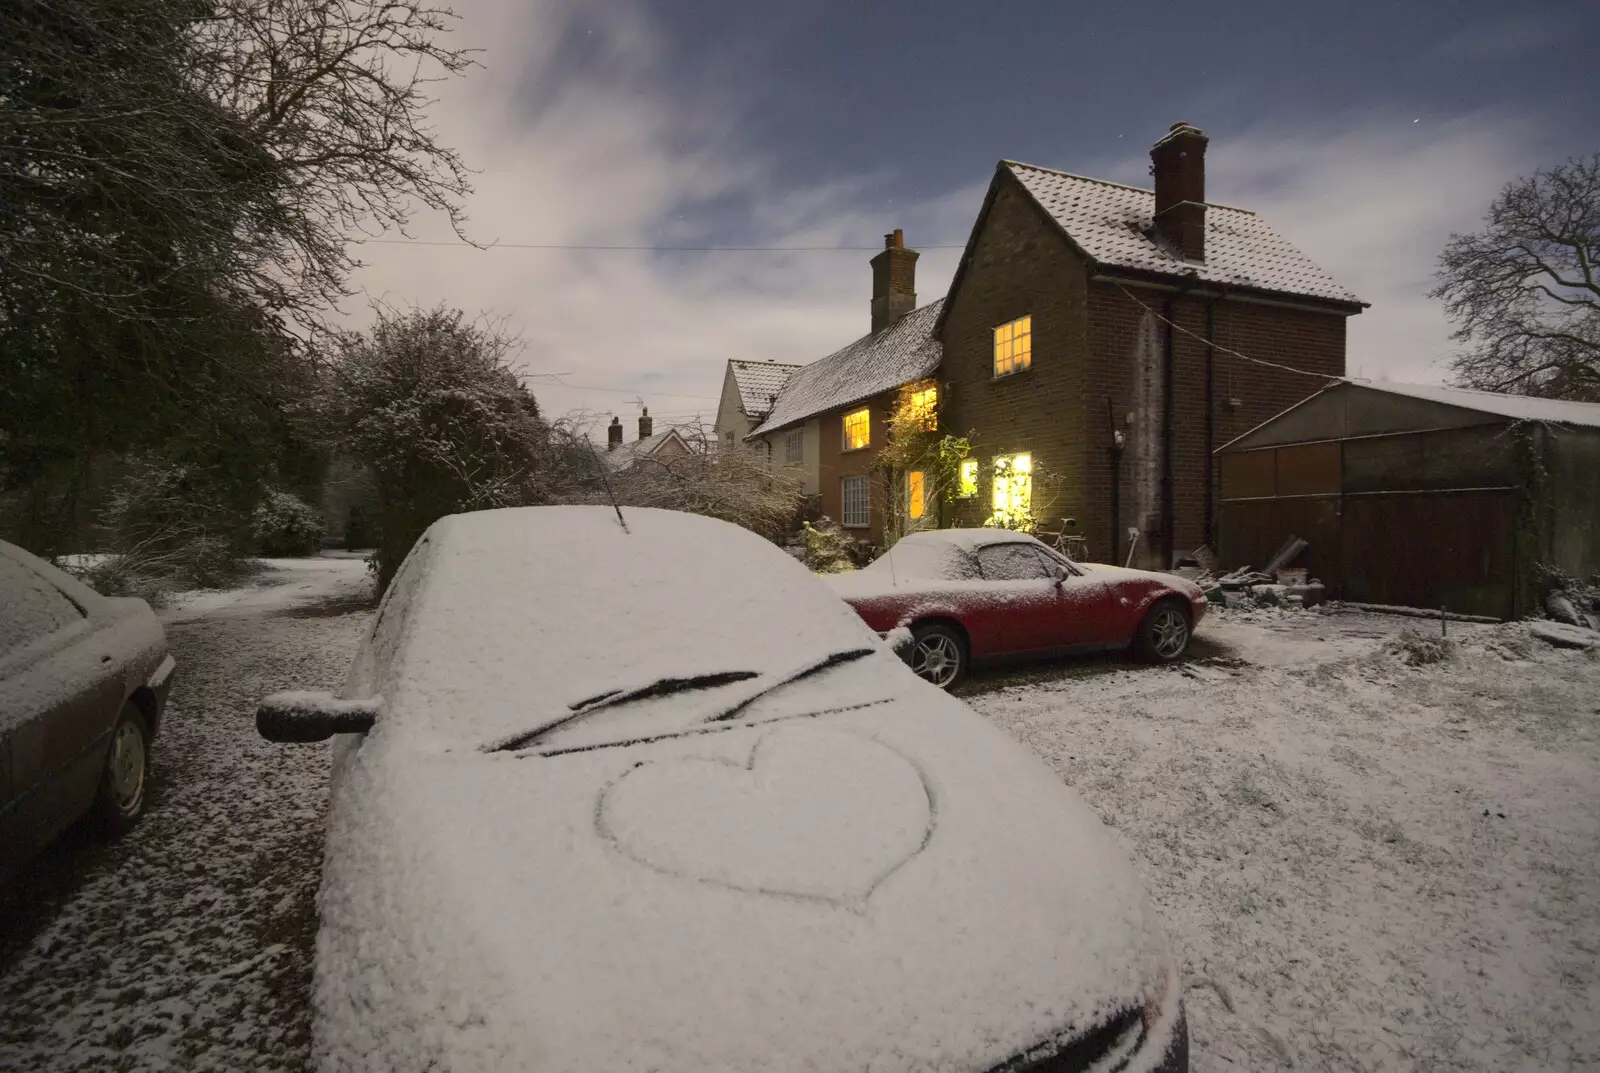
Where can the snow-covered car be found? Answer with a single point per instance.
(83, 684)
(973, 595)
(652, 798)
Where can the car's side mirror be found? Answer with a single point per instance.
(307, 716)
(1062, 574)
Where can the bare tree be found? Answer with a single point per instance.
(179, 181)
(734, 483)
(1525, 290)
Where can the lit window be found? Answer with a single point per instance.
(793, 447)
(1013, 346)
(924, 408)
(856, 511)
(969, 477)
(857, 430)
(1013, 490)
(914, 491)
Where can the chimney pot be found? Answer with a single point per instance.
(646, 424)
(614, 433)
(894, 281)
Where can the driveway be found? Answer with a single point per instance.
(1364, 863)
(187, 945)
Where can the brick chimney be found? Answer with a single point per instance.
(645, 424)
(894, 281)
(1178, 161)
(614, 433)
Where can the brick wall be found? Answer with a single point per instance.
(1020, 266)
(834, 463)
(1301, 339)
(1085, 354)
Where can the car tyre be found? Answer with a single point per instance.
(1165, 633)
(938, 654)
(124, 789)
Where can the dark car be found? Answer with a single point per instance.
(83, 682)
(654, 799)
(972, 595)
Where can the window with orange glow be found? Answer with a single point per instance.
(914, 492)
(857, 429)
(1013, 346)
(924, 408)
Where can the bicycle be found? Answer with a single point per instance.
(1071, 544)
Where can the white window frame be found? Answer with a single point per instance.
(794, 448)
(855, 491)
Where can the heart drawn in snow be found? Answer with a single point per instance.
(817, 814)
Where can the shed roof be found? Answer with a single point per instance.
(1518, 407)
(758, 381)
(905, 351)
(1368, 408)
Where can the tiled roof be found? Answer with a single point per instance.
(1111, 223)
(905, 351)
(621, 457)
(758, 381)
(1517, 407)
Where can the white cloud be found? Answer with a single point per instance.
(1373, 201)
(604, 151)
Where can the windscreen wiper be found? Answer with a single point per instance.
(661, 687)
(833, 659)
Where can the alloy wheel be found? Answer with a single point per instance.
(937, 658)
(1169, 632)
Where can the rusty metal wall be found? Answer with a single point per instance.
(1431, 549)
(1251, 532)
(1397, 533)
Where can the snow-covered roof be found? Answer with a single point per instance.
(1112, 223)
(624, 455)
(758, 382)
(856, 873)
(1518, 407)
(905, 351)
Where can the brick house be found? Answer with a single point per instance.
(830, 417)
(1100, 342)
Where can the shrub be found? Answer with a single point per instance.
(427, 403)
(831, 550)
(285, 525)
(1416, 650)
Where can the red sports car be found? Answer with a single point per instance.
(970, 595)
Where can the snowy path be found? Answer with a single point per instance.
(187, 945)
(1364, 865)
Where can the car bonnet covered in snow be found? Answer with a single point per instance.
(519, 614)
(861, 875)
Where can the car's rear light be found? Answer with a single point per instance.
(1105, 1047)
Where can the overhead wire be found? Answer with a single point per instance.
(642, 249)
(1226, 350)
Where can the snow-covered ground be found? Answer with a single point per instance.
(186, 946)
(1363, 864)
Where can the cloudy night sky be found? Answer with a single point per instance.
(1364, 132)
